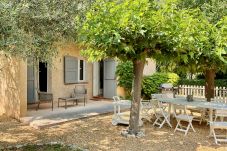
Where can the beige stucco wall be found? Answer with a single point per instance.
(58, 88)
(13, 81)
(150, 67)
(13, 86)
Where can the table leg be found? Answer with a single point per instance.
(169, 110)
(211, 120)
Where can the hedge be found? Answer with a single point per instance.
(152, 83)
(201, 82)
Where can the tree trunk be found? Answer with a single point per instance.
(209, 85)
(138, 67)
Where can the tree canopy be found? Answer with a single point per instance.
(32, 28)
(208, 36)
(134, 30)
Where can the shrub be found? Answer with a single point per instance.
(124, 73)
(152, 83)
(201, 82)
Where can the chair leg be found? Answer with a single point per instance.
(58, 103)
(200, 122)
(52, 102)
(37, 106)
(222, 118)
(163, 122)
(215, 118)
(215, 138)
(186, 131)
(155, 122)
(192, 127)
(178, 122)
(167, 121)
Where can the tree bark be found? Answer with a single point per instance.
(209, 85)
(138, 66)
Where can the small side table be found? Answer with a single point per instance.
(66, 99)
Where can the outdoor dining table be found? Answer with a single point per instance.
(197, 102)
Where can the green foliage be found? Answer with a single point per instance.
(32, 28)
(208, 35)
(214, 10)
(152, 83)
(201, 82)
(132, 30)
(124, 74)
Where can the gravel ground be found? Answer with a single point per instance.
(97, 133)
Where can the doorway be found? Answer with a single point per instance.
(98, 79)
(42, 77)
(104, 81)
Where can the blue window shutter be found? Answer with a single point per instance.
(70, 69)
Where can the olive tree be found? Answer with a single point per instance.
(32, 28)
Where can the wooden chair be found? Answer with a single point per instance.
(221, 114)
(183, 116)
(218, 125)
(161, 115)
(81, 93)
(45, 97)
(146, 109)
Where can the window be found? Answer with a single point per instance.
(74, 70)
(81, 70)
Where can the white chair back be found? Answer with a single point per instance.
(181, 108)
(116, 98)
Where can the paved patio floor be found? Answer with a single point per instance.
(46, 117)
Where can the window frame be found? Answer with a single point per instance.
(84, 70)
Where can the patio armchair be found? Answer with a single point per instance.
(80, 93)
(45, 97)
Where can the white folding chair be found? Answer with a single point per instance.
(218, 125)
(199, 114)
(146, 108)
(161, 95)
(116, 98)
(161, 115)
(182, 117)
(221, 114)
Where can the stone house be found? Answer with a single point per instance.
(20, 81)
